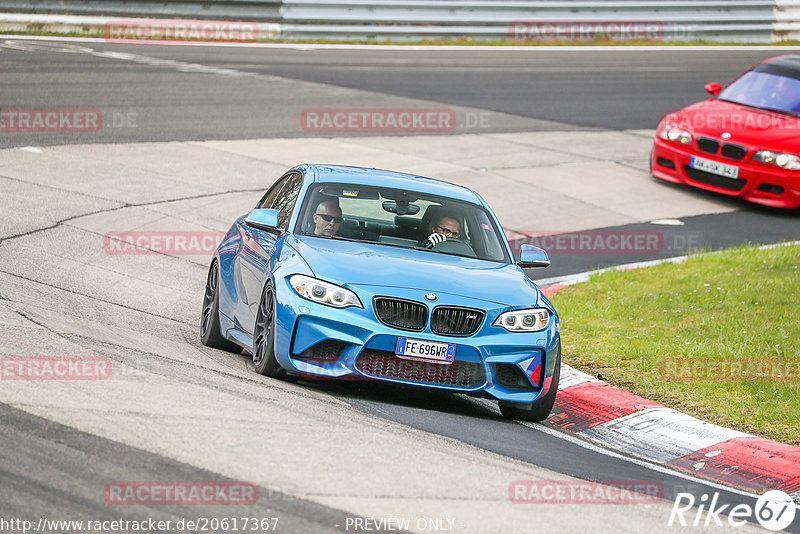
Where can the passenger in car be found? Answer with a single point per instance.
(444, 225)
(327, 217)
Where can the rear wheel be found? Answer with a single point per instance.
(264, 338)
(539, 410)
(210, 334)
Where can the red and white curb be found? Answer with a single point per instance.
(615, 418)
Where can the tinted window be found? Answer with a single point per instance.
(284, 202)
(402, 218)
(269, 196)
(765, 90)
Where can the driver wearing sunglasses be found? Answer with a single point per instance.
(444, 227)
(327, 218)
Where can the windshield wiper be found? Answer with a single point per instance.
(337, 237)
(773, 110)
(780, 111)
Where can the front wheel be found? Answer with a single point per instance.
(264, 338)
(539, 410)
(210, 334)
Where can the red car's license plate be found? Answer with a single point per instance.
(714, 167)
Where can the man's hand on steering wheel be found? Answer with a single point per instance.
(433, 240)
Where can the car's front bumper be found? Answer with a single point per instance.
(320, 341)
(757, 183)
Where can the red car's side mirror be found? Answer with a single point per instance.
(714, 88)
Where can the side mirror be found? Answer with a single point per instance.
(713, 88)
(262, 219)
(530, 256)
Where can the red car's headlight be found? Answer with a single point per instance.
(779, 159)
(675, 134)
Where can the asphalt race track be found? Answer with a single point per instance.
(255, 92)
(191, 136)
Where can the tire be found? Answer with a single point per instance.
(539, 410)
(210, 335)
(264, 338)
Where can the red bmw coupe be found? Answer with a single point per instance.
(744, 142)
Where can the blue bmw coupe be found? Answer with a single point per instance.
(352, 272)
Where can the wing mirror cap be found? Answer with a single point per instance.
(531, 256)
(713, 88)
(262, 219)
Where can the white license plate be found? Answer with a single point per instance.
(419, 349)
(715, 167)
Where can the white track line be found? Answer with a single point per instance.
(642, 463)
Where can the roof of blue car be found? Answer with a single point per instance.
(396, 180)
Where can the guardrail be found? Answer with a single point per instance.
(787, 20)
(250, 10)
(756, 21)
(715, 20)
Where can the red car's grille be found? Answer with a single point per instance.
(460, 374)
(708, 145)
(729, 150)
(704, 177)
(733, 151)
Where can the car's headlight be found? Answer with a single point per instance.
(532, 320)
(675, 134)
(779, 159)
(324, 292)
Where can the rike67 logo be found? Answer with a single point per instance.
(774, 510)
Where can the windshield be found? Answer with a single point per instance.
(765, 90)
(401, 218)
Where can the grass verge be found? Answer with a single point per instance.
(35, 29)
(717, 336)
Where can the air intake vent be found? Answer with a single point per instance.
(383, 364)
(325, 351)
(511, 376)
(732, 184)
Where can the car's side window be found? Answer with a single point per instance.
(285, 201)
(268, 199)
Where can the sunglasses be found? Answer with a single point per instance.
(448, 232)
(329, 218)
